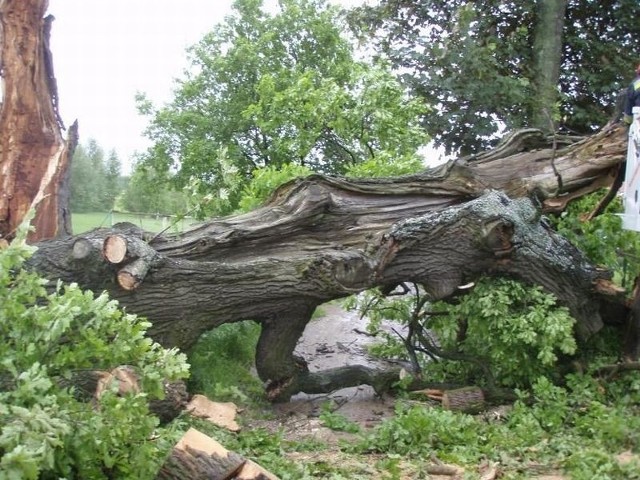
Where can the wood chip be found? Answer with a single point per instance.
(222, 414)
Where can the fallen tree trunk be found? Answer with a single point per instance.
(322, 238)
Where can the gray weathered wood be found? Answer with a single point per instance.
(321, 238)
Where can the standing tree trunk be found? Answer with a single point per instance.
(34, 156)
(547, 54)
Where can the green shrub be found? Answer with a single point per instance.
(221, 363)
(518, 329)
(265, 180)
(386, 165)
(579, 429)
(515, 330)
(46, 340)
(602, 238)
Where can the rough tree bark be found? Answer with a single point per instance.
(320, 238)
(34, 156)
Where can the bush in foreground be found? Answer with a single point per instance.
(46, 341)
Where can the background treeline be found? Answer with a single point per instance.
(98, 185)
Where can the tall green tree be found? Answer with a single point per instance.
(149, 192)
(95, 178)
(266, 90)
(486, 66)
(88, 178)
(113, 179)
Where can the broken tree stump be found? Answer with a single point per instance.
(34, 156)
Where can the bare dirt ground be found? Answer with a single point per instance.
(332, 341)
(335, 339)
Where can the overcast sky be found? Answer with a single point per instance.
(104, 51)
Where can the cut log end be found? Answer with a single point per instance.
(128, 281)
(131, 276)
(82, 248)
(115, 249)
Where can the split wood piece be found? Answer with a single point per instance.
(440, 468)
(431, 393)
(488, 471)
(253, 471)
(197, 456)
(218, 413)
(448, 470)
(466, 399)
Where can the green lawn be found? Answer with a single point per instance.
(83, 222)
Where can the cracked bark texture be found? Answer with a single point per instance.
(321, 238)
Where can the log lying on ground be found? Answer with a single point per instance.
(199, 457)
(90, 385)
(321, 238)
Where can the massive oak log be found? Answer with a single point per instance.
(320, 238)
(34, 156)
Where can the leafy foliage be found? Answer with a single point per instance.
(150, 192)
(265, 180)
(48, 339)
(602, 239)
(267, 90)
(476, 62)
(221, 362)
(579, 429)
(95, 180)
(336, 421)
(518, 329)
(502, 330)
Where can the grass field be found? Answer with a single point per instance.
(83, 222)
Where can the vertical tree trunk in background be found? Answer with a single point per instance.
(34, 156)
(547, 56)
